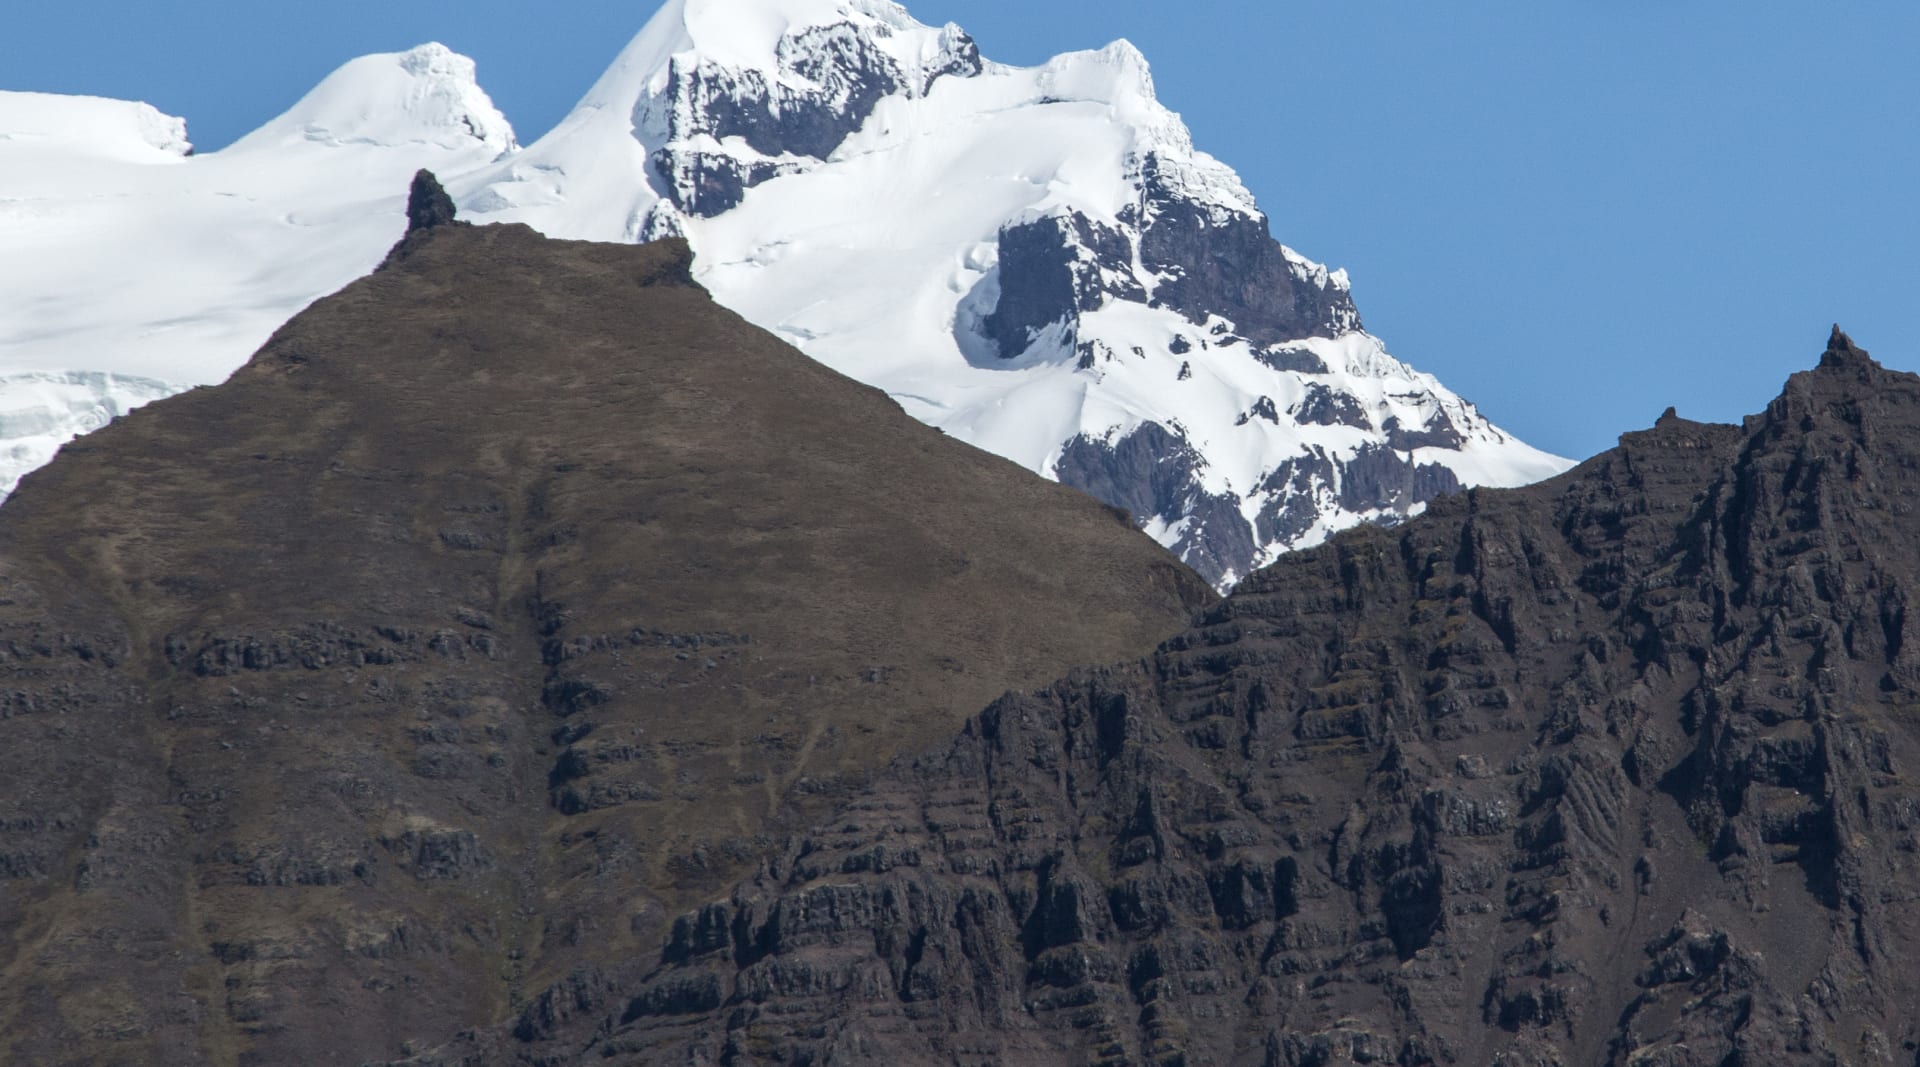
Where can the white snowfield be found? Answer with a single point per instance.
(122, 255)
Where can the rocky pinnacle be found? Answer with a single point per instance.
(428, 204)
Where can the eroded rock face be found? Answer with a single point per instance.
(509, 603)
(827, 81)
(1051, 270)
(1226, 264)
(1160, 479)
(1155, 475)
(1615, 769)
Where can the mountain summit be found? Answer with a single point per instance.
(424, 96)
(1036, 260)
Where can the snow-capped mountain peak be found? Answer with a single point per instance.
(1037, 260)
(764, 35)
(426, 95)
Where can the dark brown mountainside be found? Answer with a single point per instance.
(496, 613)
(1619, 769)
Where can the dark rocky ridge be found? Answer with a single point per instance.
(506, 604)
(1617, 769)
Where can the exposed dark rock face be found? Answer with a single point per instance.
(1157, 476)
(1262, 408)
(1284, 357)
(1304, 483)
(847, 74)
(1438, 432)
(1051, 270)
(1207, 261)
(506, 605)
(1154, 474)
(1374, 478)
(709, 183)
(1228, 264)
(1378, 477)
(1329, 407)
(1618, 769)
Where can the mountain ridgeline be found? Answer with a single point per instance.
(509, 603)
(1039, 260)
(1105, 304)
(1617, 769)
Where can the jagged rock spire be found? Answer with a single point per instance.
(428, 204)
(428, 208)
(1842, 352)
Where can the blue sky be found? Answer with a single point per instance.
(1574, 213)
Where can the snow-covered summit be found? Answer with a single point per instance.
(755, 34)
(425, 96)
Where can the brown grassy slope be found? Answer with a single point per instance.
(505, 604)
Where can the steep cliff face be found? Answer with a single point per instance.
(1617, 769)
(506, 604)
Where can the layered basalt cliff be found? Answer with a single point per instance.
(1617, 769)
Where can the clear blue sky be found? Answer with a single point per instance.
(1574, 212)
